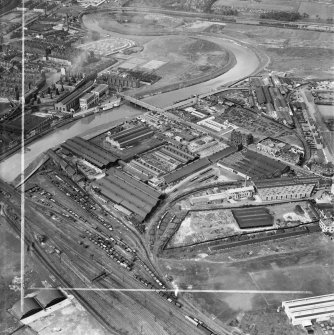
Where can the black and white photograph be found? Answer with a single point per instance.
(166, 167)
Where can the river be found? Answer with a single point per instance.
(247, 63)
(11, 167)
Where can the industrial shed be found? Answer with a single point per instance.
(214, 158)
(187, 170)
(47, 298)
(124, 190)
(30, 306)
(307, 311)
(254, 165)
(248, 218)
(133, 135)
(90, 152)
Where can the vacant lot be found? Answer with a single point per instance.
(205, 225)
(306, 264)
(317, 10)
(299, 52)
(278, 5)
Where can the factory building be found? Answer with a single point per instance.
(186, 170)
(211, 124)
(129, 137)
(261, 99)
(128, 192)
(90, 152)
(41, 301)
(234, 193)
(305, 312)
(239, 138)
(71, 101)
(250, 164)
(87, 100)
(284, 188)
(327, 225)
(100, 90)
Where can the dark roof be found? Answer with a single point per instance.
(186, 170)
(253, 217)
(76, 93)
(255, 165)
(127, 134)
(89, 151)
(222, 154)
(48, 298)
(267, 183)
(30, 306)
(122, 189)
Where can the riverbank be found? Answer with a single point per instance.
(10, 168)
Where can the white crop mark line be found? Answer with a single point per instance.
(171, 290)
(22, 161)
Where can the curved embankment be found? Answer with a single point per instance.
(243, 62)
(247, 63)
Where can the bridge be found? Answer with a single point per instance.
(140, 103)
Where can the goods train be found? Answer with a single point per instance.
(200, 325)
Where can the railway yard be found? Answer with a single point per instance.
(194, 202)
(107, 215)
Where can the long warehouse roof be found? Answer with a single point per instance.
(187, 170)
(309, 308)
(89, 151)
(144, 187)
(129, 192)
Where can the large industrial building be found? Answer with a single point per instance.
(129, 137)
(307, 311)
(71, 101)
(90, 152)
(40, 301)
(284, 188)
(186, 170)
(250, 164)
(234, 193)
(128, 192)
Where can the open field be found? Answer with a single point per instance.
(307, 263)
(317, 10)
(301, 53)
(278, 5)
(184, 57)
